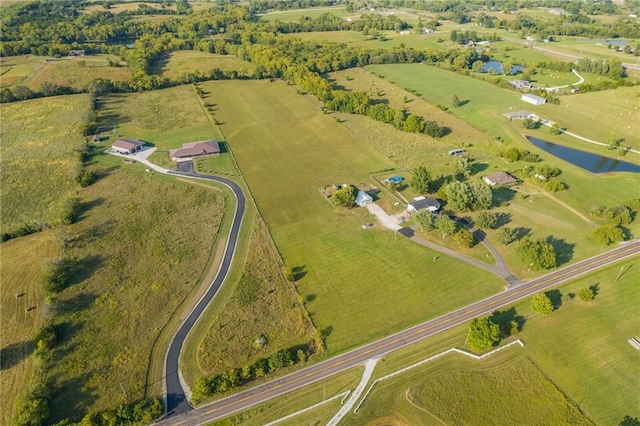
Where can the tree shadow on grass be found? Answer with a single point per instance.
(82, 269)
(76, 303)
(502, 196)
(14, 353)
(502, 219)
(477, 168)
(522, 232)
(83, 208)
(72, 396)
(504, 319)
(555, 296)
(299, 272)
(564, 250)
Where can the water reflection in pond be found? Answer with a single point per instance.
(592, 162)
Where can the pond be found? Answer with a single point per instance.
(592, 162)
(497, 67)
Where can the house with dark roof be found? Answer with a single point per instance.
(127, 146)
(499, 178)
(74, 53)
(195, 149)
(421, 203)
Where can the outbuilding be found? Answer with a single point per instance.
(363, 199)
(421, 203)
(533, 99)
(127, 146)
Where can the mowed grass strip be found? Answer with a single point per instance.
(39, 164)
(358, 284)
(181, 62)
(142, 246)
(506, 388)
(23, 313)
(165, 118)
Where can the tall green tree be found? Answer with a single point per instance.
(483, 334)
(420, 180)
(446, 225)
(541, 303)
(537, 253)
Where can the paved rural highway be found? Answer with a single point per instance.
(176, 400)
(243, 400)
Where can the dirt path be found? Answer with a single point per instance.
(568, 207)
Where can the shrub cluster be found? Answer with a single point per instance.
(514, 153)
(220, 383)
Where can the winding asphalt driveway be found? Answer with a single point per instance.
(177, 402)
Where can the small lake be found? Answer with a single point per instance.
(496, 66)
(592, 162)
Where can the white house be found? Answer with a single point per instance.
(533, 99)
(363, 199)
(420, 203)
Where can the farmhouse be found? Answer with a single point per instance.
(533, 99)
(127, 146)
(363, 199)
(74, 53)
(195, 149)
(420, 203)
(499, 178)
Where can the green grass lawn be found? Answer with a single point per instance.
(165, 118)
(39, 164)
(459, 390)
(285, 166)
(22, 263)
(393, 39)
(174, 64)
(583, 346)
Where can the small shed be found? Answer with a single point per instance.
(421, 203)
(362, 199)
(499, 178)
(533, 99)
(127, 146)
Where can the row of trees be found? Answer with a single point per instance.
(616, 218)
(206, 387)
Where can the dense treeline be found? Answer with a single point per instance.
(331, 22)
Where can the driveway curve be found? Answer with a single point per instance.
(176, 398)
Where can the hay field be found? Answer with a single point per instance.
(78, 72)
(284, 165)
(143, 244)
(175, 64)
(20, 268)
(164, 118)
(39, 164)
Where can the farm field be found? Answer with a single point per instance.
(393, 39)
(22, 262)
(39, 162)
(295, 15)
(142, 247)
(164, 118)
(175, 64)
(78, 72)
(285, 166)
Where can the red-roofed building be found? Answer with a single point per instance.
(195, 149)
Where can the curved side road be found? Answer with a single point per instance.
(244, 400)
(176, 400)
